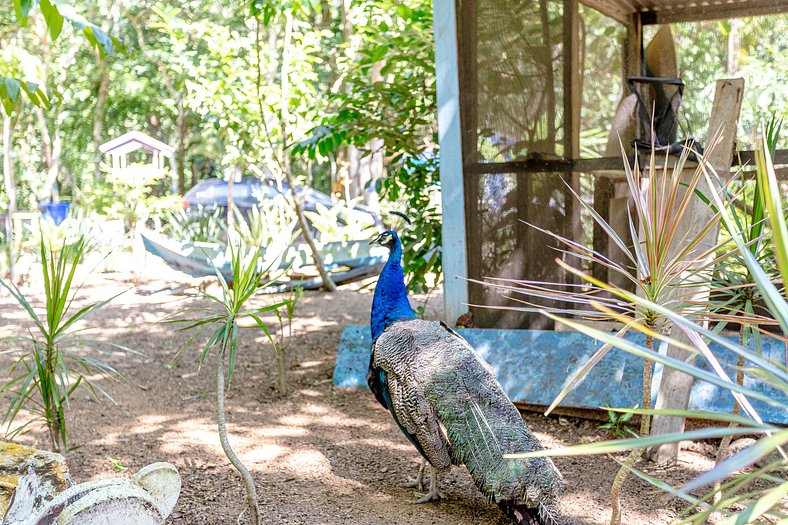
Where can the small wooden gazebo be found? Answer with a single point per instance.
(122, 147)
(510, 85)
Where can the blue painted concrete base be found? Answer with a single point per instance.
(533, 366)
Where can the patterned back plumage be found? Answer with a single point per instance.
(436, 375)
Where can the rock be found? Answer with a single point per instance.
(742, 443)
(146, 499)
(163, 483)
(15, 462)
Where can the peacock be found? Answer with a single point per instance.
(448, 403)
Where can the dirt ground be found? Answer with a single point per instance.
(319, 455)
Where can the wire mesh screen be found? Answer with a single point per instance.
(514, 67)
(505, 245)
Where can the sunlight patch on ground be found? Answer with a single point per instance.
(394, 443)
(308, 463)
(265, 454)
(272, 432)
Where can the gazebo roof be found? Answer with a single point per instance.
(668, 11)
(134, 140)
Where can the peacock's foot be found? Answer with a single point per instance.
(418, 482)
(434, 494)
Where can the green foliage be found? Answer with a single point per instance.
(618, 423)
(51, 363)
(414, 186)
(389, 94)
(202, 226)
(285, 317)
(221, 320)
(341, 222)
(272, 225)
(54, 13)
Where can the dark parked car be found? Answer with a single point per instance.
(210, 194)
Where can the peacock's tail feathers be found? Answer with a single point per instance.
(438, 384)
(524, 515)
(482, 425)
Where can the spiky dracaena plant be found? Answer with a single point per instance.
(52, 363)
(665, 262)
(738, 498)
(735, 294)
(222, 322)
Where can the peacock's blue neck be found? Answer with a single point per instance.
(390, 302)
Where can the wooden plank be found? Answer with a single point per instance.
(676, 387)
(455, 268)
(614, 163)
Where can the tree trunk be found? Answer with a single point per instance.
(251, 491)
(10, 189)
(734, 42)
(102, 89)
(180, 150)
(51, 148)
(366, 167)
(284, 117)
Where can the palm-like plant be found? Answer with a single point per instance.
(731, 486)
(52, 362)
(665, 262)
(221, 321)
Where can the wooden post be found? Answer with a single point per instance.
(455, 268)
(675, 386)
(573, 92)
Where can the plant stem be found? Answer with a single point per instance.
(645, 423)
(281, 359)
(251, 490)
(722, 451)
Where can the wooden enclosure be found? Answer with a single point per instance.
(513, 88)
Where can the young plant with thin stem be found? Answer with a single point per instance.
(222, 322)
(52, 363)
(285, 317)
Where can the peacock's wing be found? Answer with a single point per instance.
(396, 369)
(482, 424)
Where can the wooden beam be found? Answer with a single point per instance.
(454, 252)
(610, 8)
(710, 10)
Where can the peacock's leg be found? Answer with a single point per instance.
(417, 483)
(434, 494)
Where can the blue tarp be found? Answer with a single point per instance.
(533, 366)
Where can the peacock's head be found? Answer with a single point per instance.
(388, 239)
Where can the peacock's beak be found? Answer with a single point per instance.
(376, 240)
